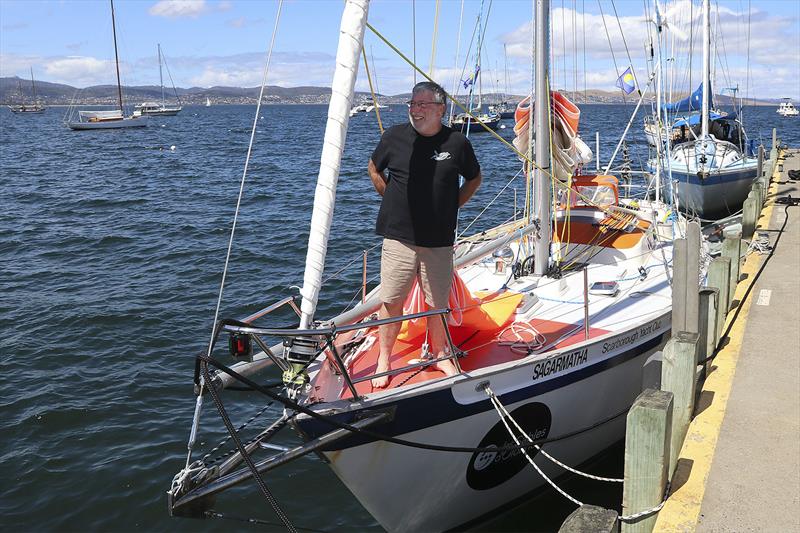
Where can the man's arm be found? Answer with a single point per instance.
(468, 189)
(378, 178)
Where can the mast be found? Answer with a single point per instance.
(116, 57)
(351, 38)
(541, 154)
(706, 64)
(33, 86)
(160, 76)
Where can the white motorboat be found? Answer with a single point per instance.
(787, 108)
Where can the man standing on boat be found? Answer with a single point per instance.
(418, 214)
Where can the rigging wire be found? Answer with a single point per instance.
(371, 88)
(747, 70)
(456, 78)
(611, 47)
(583, 32)
(625, 44)
(235, 219)
(435, 36)
(414, 36)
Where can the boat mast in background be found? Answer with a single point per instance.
(116, 58)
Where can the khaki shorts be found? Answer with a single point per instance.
(401, 263)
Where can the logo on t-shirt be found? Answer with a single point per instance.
(440, 156)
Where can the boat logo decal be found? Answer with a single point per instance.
(440, 156)
(488, 469)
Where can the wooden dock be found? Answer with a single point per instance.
(722, 436)
(739, 467)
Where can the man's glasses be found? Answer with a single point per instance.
(421, 105)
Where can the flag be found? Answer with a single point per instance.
(626, 81)
(471, 80)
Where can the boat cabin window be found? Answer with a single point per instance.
(591, 191)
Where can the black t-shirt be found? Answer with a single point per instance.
(420, 203)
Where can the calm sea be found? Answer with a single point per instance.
(112, 245)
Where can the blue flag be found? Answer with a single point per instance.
(471, 80)
(626, 82)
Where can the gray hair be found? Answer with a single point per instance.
(438, 93)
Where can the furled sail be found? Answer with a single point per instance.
(354, 21)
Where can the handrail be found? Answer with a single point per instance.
(270, 308)
(333, 329)
(330, 332)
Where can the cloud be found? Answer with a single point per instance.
(246, 70)
(79, 70)
(243, 22)
(770, 40)
(178, 8)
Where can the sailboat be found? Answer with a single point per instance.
(208, 101)
(159, 108)
(106, 120)
(552, 317)
(22, 107)
(712, 167)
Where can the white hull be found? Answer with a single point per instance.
(560, 388)
(408, 489)
(131, 122)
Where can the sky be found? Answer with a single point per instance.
(225, 42)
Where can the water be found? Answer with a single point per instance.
(111, 251)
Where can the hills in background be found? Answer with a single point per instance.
(60, 94)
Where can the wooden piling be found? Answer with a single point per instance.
(760, 165)
(692, 273)
(758, 192)
(732, 248)
(678, 376)
(709, 296)
(680, 253)
(590, 519)
(647, 445)
(719, 275)
(774, 138)
(750, 211)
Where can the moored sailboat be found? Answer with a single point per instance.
(105, 120)
(552, 316)
(34, 108)
(159, 108)
(710, 170)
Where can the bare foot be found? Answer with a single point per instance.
(383, 381)
(446, 366)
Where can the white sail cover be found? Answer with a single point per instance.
(101, 115)
(351, 37)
